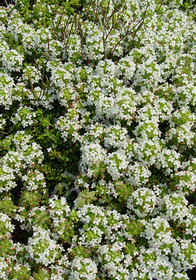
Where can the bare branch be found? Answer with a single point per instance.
(104, 23)
(6, 3)
(140, 23)
(67, 36)
(31, 84)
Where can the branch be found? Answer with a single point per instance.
(68, 35)
(6, 3)
(31, 84)
(55, 31)
(128, 31)
(113, 23)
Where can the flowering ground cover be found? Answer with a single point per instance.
(98, 142)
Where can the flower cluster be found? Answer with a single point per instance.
(24, 115)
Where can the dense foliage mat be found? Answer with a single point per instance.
(98, 142)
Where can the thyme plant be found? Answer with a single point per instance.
(98, 140)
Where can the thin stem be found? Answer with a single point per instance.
(128, 31)
(31, 84)
(68, 34)
(6, 3)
